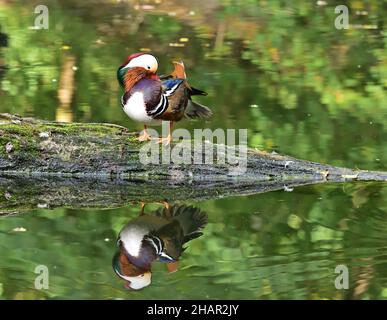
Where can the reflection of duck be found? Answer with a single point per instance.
(155, 237)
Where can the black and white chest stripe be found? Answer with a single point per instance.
(160, 107)
(158, 244)
(155, 111)
(163, 104)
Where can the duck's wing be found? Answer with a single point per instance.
(186, 223)
(175, 92)
(179, 93)
(190, 219)
(168, 241)
(170, 86)
(179, 73)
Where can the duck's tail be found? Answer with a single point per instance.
(191, 219)
(194, 109)
(196, 92)
(197, 110)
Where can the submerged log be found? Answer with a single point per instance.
(49, 164)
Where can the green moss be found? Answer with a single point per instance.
(81, 129)
(25, 130)
(22, 138)
(4, 140)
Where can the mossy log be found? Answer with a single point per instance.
(49, 164)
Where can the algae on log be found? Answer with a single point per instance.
(97, 165)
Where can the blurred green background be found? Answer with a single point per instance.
(278, 68)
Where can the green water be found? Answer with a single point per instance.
(279, 69)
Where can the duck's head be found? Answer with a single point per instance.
(142, 60)
(135, 278)
(141, 63)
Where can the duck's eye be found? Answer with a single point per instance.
(148, 67)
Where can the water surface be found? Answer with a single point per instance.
(300, 87)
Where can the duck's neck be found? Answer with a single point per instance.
(136, 74)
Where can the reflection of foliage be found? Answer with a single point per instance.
(31, 67)
(3, 39)
(346, 77)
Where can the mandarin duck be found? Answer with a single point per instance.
(158, 237)
(150, 99)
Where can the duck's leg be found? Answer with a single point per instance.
(166, 204)
(144, 136)
(142, 208)
(167, 210)
(173, 266)
(168, 139)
